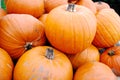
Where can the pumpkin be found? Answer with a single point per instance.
(6, 65)
(2, 12)
(43, 63)
(111, 58)
(43, 18)
(89, 54)
(108, 28)
(20, 32)
(32, 7)
(68, 28)
(51, 4)
(101, 5)
(87, 3)
(94, 71)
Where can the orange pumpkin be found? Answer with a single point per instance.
(51, 4)
(87, 3)
(101, 5)
(111, 58)
(94, 71)
(20, 32)
(6, 65)
(69, 29)
(2, 12)
(89, 54)
(43, 18)
(108, 28)
(43, 63)
(32, 7)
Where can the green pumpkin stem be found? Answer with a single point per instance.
(111, 53)
(28, 45)
(71, 7)
(49, 53)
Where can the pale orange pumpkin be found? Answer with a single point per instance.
(108, 28)
(111, 57)
(32, 7)
(87, 3)
(43, 63)
(20, 32)
(70, 28)
(101, 5)
(6, 65)
(51, 4)
(94, 71)
(89, 54)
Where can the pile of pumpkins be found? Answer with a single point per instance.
(59, 40)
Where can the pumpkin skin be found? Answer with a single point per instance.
(108, 28)
(94, 71)
(6, 67)
(89, 54)
(51, 4)
(2, 12)
(34, 8)
(65, 29)
(20, 32)
(34, 64)
(101, 5)
(111, 58)
(87, 3)
(43, 18)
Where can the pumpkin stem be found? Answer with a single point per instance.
(99, 2)
(28, 45)
(111, 53)
(71, 7)
(49, 53)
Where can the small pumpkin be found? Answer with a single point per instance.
(101, 5)
(34, 8)
(68, 28)
(2, 12)
(51, 4)
(108, 28)
(43, 18)
(94, 71)
(87, 3)
(43, 63)
(111, 57)
(6, 65)
(89, 54)
(20, 32)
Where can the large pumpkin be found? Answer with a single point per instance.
(108, 28)
(6, 65)
(43, 63)
(33, 7)
(111, 57)
(20, 32)
(94, 71)
(70, 28)
(51, 4)
(101, 5)
(89, 54)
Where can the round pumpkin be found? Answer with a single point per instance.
(51, 4)
(111, 58)
(43, 63)
(108, 28)
(94, 71)
(101, 5)
(6, 65)
(43, 18)
(2, 12)
(87, 3)
(20, 32)
(89, 54)
(32, 7)
(69, 29)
